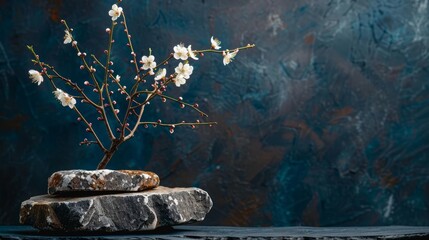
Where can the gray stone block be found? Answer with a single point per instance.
(135, 211)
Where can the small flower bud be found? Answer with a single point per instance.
(159, 121)
(128, 44)
(88, 130)
(82, 67)
(86, 83)
(106, 105)
(145, 126)
(114, 102)
(171, 130)
(163, 99)
(105, 51)
(182, 105)
(148, 103)
(111, 63)
(116, 111)
(193, 126)
(131, 61)
(74, 43)
(118, 130)
(79, 54)
(108, 30)
(111, 92)
(198, 121)
(84, 54)
(129, 36)
(113, 41)
(196, 105)
(127, 124)
(180, 99)
(99, 118)
(79, 119)
(95, 90)
(62, 21)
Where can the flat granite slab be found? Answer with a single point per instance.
(130, 211)
(210, 232)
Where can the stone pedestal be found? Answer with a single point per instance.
(112, 201)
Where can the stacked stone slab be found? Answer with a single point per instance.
(111, 201)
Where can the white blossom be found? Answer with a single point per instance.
(191, 53)
(179, 80)
(160, 74)
(118, 78)
(67, 37)
(184, 70)
(148, 62)
(228, 56)
(180, 52)
(115, 12)
(215, 43)
(65, 98)
(35, 76)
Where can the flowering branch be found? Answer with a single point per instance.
(136, 106)
(172, 126)
(91, 72)
(62, 97)
(130, 44)
(183, 104)
(107, 72)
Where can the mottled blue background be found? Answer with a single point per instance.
(324, 123)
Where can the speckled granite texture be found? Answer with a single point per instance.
(324, 123)
(99, 181)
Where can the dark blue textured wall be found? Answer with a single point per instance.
(323, 123)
